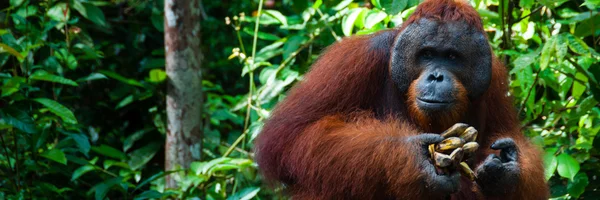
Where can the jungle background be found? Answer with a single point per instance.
(83, 89)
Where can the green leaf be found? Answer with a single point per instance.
(90, 12)
(343, 4)
(277, 15)
(67, 58)
(374, 17)
(18, 119)
(591, 3)
(125, 101)
(28, 11)
(245, 194)
(91, 77)
(102, 189)
(578, 88)
(550, 163)
(567, 166)
(561, 47)
(16, 3)
(524, 60)
(80, 171)
(11, 51)
(348, 21)
(45, 76)
(109, 151)
(576, 187)
(157, 75)
(588, 27)
(55, 155)
(526, 3)
(393, 7)
(317, 4)
(82, 142)
(141, 156)
(12, 85)
(150, 194)
(547, 52)
(128, 143)
(577, 45)
(261, 35)
(121, 78)
(376, 3)
(63, 112)
(59, 12)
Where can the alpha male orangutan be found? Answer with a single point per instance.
(366, 119)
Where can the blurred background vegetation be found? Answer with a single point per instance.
(82, 105)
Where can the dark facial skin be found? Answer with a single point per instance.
(439, 56)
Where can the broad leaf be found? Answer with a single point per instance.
(80, 171)
(393, 7)
(550, 163)
(245, 194)
(277, 15)
(63, 112)
(567, 166)
(45, 76)
(18, 119)
(141, 156)
(90, 12)
(55, 155)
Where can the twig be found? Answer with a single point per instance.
(537, 75)
(528, 15)
(327, 25)
(251, 73)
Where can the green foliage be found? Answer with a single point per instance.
(82, 107)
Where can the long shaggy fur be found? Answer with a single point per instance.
(340, 133)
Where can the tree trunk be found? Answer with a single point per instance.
(184, 89)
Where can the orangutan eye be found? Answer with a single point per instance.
(427, 54)
(452, 56)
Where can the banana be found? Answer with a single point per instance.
(470, 148)
(442, 160)
(465, 170)
(455, 130)
(432, 151)
(457, 155)
(449, 144)
(469, 135)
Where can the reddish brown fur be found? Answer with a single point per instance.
(446, 10)
(329, 139)
(441, 121)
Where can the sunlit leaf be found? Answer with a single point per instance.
(277, 15)
(59, 12)
(348, 21)
(157, 75)
(374, 17)
(567, 166)
(245, 194)
(550, 163)
(393, 7)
